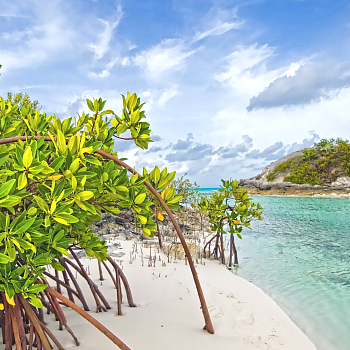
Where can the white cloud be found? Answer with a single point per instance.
(168, 56)
(218, 28)
(38, 42)
(102, 46)
(167, 95)
(245, 71)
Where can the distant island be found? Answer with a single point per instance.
(322, 169)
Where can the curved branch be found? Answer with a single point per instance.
(208, 324)
(88, 317)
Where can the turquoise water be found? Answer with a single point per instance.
(300, 256)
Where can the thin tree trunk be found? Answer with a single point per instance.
(222, 250)
(119, 294)
(215, 250)
(100, 270)
(159, 235)
(235, 263)
(231, 252)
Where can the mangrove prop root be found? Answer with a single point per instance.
(125, 281)
(54, 310)
(119, 294)
(76, 285)
(50, 334)
(61, 315)
(89, 318)
(100, 270)
(110, 274)
(31, 337)
(83, 273)
(29, 311)
(92, 285)
(8, 325)
(66, 281)
(59, 282)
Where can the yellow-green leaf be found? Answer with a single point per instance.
(27, 157)
(22, 181)
(74, 166)
(142, 219)
(60, 220)
(140, 198)
(61, 142)
(85, 195)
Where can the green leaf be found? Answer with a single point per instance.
(11, 250)
(90, 105)
(26, 245)
(4, 259)
(142, 219)
(140, 198)
(3, 159)
(85, 195)
(74, 166)
(174, 200)
(121, 189)
(24, 226)
(6, 188)
(156, 175)
(37, 288)
(57, 266)
(93, 160)
(27, 157)
(57, 163)
(70, 219)
(42, 204)
(36, 302)
(32, 211)
(60, 220)
(22, 181)
(10, 201)
(62, 250)
(61, 142)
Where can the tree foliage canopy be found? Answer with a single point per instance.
(51, 192)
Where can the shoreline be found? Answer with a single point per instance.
(300, 193)
(168, 315)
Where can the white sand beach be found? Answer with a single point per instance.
(168, 315)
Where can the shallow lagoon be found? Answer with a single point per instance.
(300, 255)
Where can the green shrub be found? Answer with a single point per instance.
(304, 174)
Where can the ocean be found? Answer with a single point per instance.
(299, 254)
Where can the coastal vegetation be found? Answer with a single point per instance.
(57, 177)
(229, 209)
(320, 165)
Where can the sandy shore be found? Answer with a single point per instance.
(168, 315)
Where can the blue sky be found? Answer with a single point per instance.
(229, 86)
